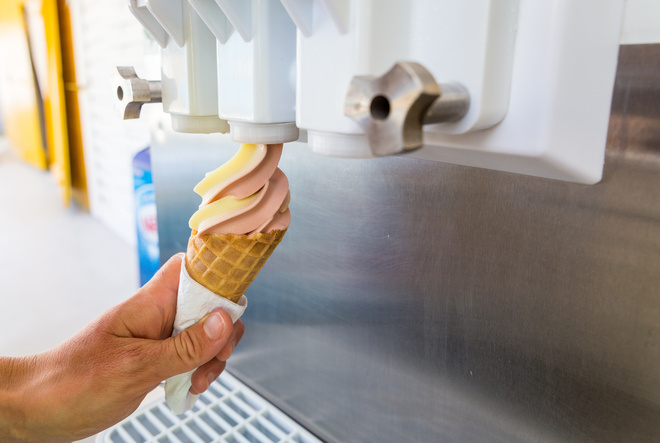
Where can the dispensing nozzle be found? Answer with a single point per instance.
(393, 108)
(133, 92)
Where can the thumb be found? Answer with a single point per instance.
(195, 345)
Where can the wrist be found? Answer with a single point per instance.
(15, 373)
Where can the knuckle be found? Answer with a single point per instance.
(239, 329)
(187, 347)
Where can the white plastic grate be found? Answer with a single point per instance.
(228, 411)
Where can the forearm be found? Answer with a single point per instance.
(15, 374)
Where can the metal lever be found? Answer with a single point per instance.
(133, 92)
(393, 108)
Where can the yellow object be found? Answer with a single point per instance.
(226, 264)
(218, 208)
(18, 87)
(54, 105)
(38, 91)
(247, 157)
(74, 130)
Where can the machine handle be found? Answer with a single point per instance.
(393, 108)
(133, 92)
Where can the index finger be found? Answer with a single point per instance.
(166, 279)
(163, 287)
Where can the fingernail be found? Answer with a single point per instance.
(214, 326)
(225, 355)
(210, 377)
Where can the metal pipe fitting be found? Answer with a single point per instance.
(133, 92)
(393, 108)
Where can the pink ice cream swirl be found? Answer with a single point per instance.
(267, 189)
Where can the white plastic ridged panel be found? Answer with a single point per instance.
(106, 35)
(228, 411)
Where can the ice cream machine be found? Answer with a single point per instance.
(513, 85)
(413, 299)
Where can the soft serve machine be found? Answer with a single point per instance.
(414, 299)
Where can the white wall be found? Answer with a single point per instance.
(641, 22)
(107, 35)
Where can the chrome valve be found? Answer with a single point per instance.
(393, 108)
(133, 92)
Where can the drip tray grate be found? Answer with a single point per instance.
(228, 411)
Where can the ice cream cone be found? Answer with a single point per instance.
(227, 263)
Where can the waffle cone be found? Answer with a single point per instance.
(227, 263)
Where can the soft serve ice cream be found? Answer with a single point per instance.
(243, 215)
(248, 194)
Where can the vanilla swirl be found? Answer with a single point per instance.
(247, 194)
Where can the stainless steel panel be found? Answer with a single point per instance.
(418, 301)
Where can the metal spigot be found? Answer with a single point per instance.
(133, 92)
(393, 108)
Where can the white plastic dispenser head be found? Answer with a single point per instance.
(467, 42)
(189, 69)
(255, 88)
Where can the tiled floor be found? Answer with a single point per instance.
(59, 267)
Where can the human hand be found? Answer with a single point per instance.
(100, 375)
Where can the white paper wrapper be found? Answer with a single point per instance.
(194, 301)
